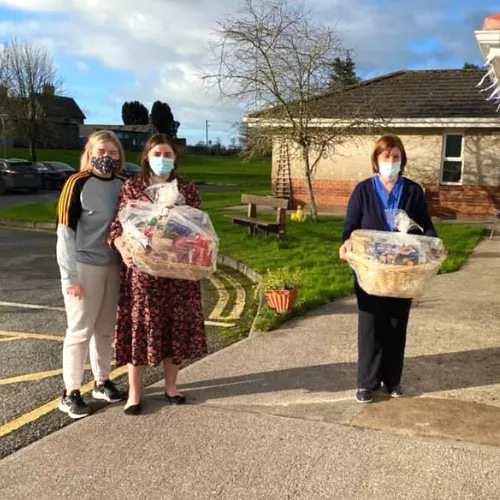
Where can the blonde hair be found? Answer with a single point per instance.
(93, 139)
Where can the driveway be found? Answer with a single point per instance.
(22, 198)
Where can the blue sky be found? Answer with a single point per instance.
(116, 50)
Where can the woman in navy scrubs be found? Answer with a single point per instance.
(382, 321)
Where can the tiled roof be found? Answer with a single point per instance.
(59, 107)
(415, 94)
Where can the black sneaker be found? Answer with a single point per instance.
(364, 396)
(395, 391)
(107, 392)
(74, 405)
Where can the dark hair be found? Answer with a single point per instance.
(154, 141)
(386, 143)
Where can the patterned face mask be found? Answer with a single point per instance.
(104, 164)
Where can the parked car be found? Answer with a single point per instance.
(54, 173)
(131, 170)
(16, 173)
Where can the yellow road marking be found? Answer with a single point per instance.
(33, 415)
(8, 339)
(219, 323)
(223, 298)
(35, 336)
(33, 376)
(241, 296)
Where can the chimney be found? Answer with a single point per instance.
(491, 22)
(48, 89)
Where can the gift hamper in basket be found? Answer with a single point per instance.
(395, 264)
(168, 239)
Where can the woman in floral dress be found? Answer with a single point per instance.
(160, 320)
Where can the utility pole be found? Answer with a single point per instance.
(150, 125)
(206, 133)
(2, 118)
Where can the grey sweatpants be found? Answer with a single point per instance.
(91, 322)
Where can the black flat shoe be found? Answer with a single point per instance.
(133, 410)
(175, 400)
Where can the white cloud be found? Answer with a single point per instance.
(164, 43)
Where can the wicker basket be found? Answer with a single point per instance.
(386, 280)
(174, 270)
(416, 261)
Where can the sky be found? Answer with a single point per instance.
(112, 51)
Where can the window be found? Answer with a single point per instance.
(453, 159)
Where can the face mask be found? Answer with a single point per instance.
(389, 170)
(104, 164)
(162, 167)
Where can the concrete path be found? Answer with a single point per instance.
(273, 417)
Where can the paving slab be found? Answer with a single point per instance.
(444, 418)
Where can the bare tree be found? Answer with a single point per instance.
(253, 142)
(277, 60)
(26, 72)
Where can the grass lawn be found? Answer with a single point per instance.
(313, 247)
(34, 212)
(200, 168)
(310, 246)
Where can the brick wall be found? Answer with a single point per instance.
(447, 202)
(462, 202)
(330, 194)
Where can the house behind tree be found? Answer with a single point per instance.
(59, 128)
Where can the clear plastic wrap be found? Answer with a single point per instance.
(167, 238)
(395, 264)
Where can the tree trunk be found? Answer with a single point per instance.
(33, 139)
(313, 209)
(33, 150)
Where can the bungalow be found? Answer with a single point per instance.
(133, 137)
(451, 133)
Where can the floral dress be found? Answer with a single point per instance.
(157, 318)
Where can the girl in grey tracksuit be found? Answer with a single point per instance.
(90, 270)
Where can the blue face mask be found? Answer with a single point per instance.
(389, 170)
(162, 167)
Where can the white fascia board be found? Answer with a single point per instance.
(393, 123)
(487, 40)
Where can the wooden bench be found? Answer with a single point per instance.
(253, 223)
